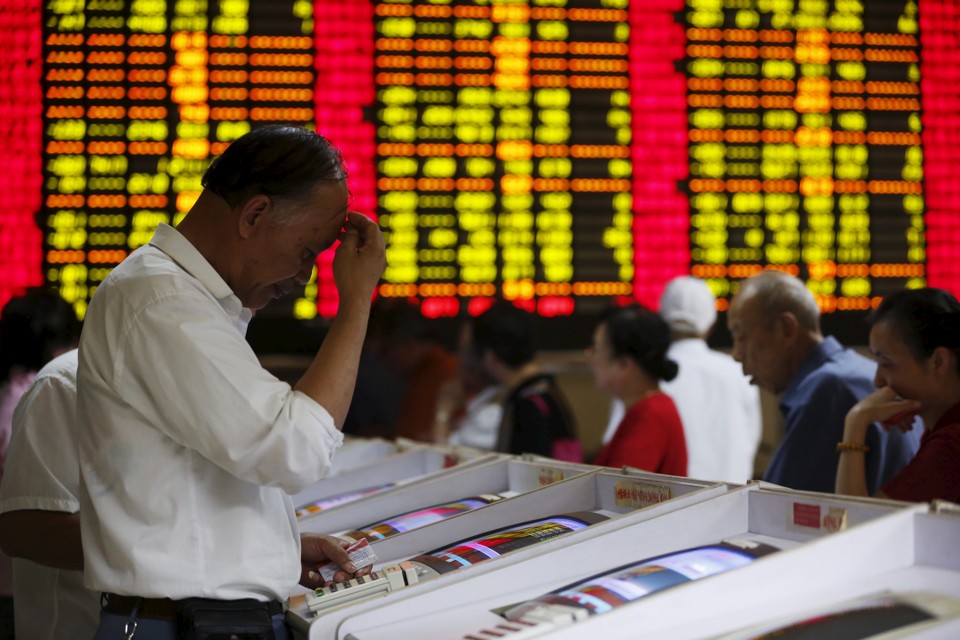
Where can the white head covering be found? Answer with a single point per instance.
(688, 306)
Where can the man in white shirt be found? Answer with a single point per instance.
(719, 409)
(189, 449)
(39, 520)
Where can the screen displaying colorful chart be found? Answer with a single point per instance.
(496, 543)
(416, 519)
(341, 498)
(607, 591)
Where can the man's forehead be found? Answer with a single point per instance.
(745, 308)
(331, 194)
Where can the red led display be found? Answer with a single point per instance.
(21, 122)
(661, 240)
(343, 34)
(940, 87)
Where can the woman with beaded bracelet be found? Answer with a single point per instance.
(915, 339)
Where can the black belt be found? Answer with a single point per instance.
(158, 608)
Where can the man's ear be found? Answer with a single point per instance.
(788, 325)
(252, 213)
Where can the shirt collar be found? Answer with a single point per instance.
(180, 250)
(826, 350)
(485, 396)
(689, 345)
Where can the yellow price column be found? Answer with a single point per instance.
(107, 145)
(475, 204)
(190, 94)
(148, 180)
(510, 49)
(397, 163)
(66, 163)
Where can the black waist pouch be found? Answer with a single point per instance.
(206, 619)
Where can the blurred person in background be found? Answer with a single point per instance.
(39, 510)
(536, 417)
(471, 407)
(378, 393)
(775, 323)
(915, 339)
(411, 352)
(34, 328)
(719, 409)
(629, 360)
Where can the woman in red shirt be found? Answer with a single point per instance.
(629, 358)
(915, 339)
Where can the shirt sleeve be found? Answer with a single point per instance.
(190, 371)
(11, 392)
(934, 473)
(42, 471)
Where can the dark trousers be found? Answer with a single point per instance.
(112, 628)
(6, 618)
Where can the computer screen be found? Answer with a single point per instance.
(854, 624)
(496, 543)
(860, 619)
(604, 592)
(416, 519)
(339, 499)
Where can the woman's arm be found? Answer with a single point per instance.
(880, 406)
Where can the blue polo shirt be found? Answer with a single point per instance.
(814, 405)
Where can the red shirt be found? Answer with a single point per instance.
(650, 437)
(418, 409)
(934, 473)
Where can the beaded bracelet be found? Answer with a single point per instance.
(852, 446)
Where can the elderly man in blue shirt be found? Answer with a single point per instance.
(775, 323)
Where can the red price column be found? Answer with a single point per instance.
(20, 132)
(658, 106)
(344, 41)
(940, 89)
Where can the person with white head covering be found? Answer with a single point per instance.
(688, 306)
(719, 409)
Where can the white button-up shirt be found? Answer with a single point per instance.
(719, 409)
(188, 446)
(42, 474)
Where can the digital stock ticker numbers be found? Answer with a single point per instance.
(558, 153)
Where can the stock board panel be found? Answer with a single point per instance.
(559, 153)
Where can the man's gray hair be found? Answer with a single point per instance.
(779, 292)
